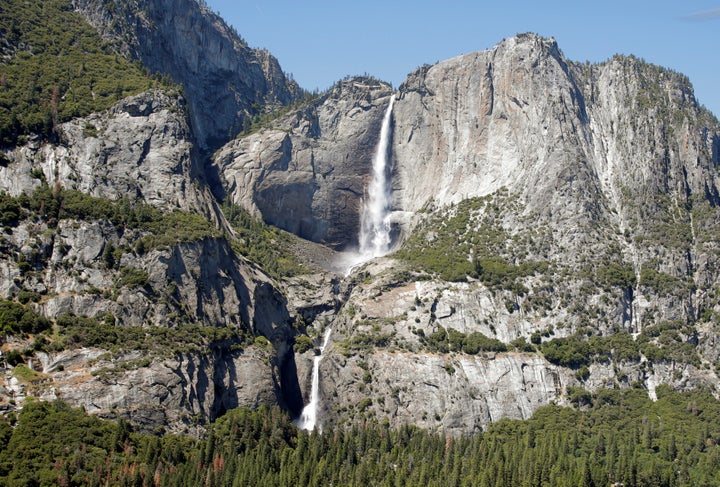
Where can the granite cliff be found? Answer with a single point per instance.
(309, 172)
(555, 228)
(542, 203)
(226, 82)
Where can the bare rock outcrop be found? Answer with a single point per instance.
(177, 394)
(141, 149)
(225, 81)
(458, 394)
(307, 173)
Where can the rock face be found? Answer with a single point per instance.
(195, 283)
(309, 172)
(224, 80)
(544, 206)
(378, 367)
(175, 394)
(141, 149)
(460, 395)
(610, 157)
(566, 138)
(193, 292)
(605, 173)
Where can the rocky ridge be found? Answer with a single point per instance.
(225, 81)
(140, 152)
(141, 149)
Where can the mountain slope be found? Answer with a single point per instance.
(55, 68)
(556, 229)
(121, 289)
(225, 81)
(567, 211)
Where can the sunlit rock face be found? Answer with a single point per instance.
(600, 179)
(606, 173)
(225, 81)
(308, 172)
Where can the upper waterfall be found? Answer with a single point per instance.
(374, 238)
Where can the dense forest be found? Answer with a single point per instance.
(608, 437)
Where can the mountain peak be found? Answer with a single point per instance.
(226, 82)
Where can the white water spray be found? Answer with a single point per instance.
(375, 218)
(308, 417)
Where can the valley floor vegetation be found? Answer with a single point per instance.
(609, 437)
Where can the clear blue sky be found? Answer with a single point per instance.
(321, 41)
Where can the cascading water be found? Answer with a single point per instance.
(375, 219)
(308, 417)
(374, 240)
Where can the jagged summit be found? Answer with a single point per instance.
(225, 81)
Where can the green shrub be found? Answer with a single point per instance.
(570, 352)
(10, 210)
(132, 277)
(161, 229)
(521, 345)
(615, 274)
(80, 331)
(25, 296)
(468, 240)
(578, 351)
(268, 246)
(14, 357)
(661, 283)
(446, 340)
(303, 343)
(476, 342)
(16, 319)
(579, 396)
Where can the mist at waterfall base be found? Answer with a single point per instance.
(308, 417)
(375, 239)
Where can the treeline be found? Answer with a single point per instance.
(616, 437)
(444, 340)
(666, 341)
(54, 67)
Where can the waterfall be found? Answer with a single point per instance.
(375, 218)
(308, 417)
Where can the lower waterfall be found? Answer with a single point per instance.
(308, 417)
